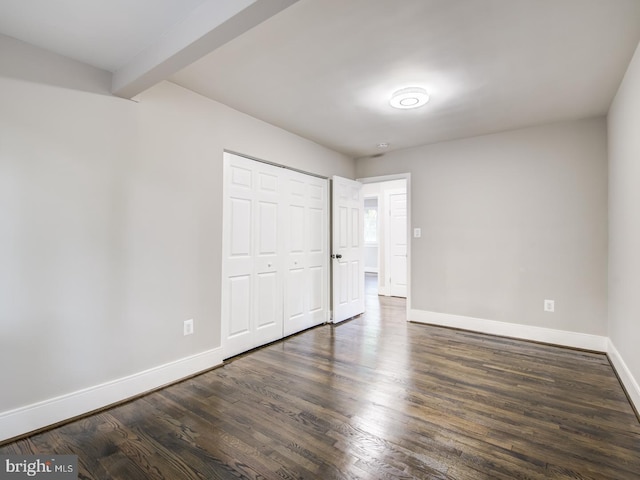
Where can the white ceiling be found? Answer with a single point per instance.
(103, 33)
(325, 68)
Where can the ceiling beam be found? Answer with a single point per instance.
(211, 25)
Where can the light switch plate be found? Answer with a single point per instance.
(549, 305)
(188, 327)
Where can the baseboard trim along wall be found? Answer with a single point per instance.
(20, 421)
(525, 332)
(538, 334)
(625, 376)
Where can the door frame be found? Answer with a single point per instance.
(407, 177)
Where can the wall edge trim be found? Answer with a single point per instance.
(563, 338)
(29, 418)
(627, 379)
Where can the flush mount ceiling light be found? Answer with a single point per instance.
(410, 97)
(382, 145)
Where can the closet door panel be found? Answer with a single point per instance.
(317, 251)
(306, 246)
(268, 253)
(252, 255)
(267, 304)
(275, 253)
(240, 311)
(237, 282)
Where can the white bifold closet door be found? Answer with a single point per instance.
(306, 250)
(275, 254)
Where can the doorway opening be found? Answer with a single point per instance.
(386, 233)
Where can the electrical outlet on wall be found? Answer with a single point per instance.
(188, 327)
(549, 305)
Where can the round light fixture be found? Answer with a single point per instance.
(382, 145)
(410, 97)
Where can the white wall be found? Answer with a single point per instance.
(110, 234)
(509, 220)
(25, 62)
(624, 228)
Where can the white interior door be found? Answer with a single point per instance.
(252, 255)
(306, 239)
(275, 253)
(397, 243)
(347, 249)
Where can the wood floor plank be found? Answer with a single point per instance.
(375, 397)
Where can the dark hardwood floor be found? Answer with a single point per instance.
(373, 398)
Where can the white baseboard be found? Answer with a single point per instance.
(525, 332)
(48, 412)
(625, 375)
(26, 419)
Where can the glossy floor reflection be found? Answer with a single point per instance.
(375, 397)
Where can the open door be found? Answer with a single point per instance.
(347, 249)
(396, 251)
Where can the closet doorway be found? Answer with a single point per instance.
(274, 253)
